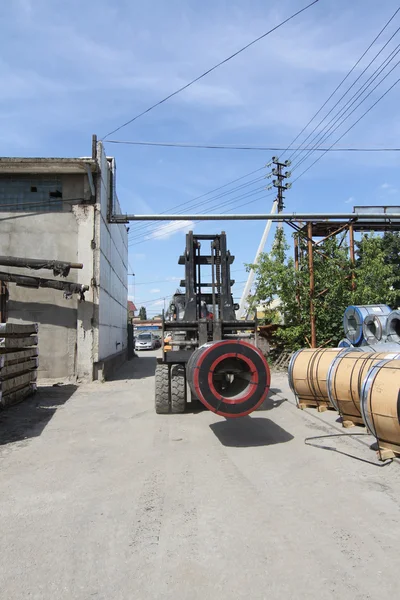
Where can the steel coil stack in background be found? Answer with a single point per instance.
(393, 327)
(344, 343)
(374, 329)
(382, 347)
(375, 318)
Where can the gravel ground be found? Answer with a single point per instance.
(102, 498)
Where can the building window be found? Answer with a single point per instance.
(31, 193)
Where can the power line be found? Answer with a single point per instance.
(341, 83)
(351, 127)
(227, 203)
(142, 302)
(176, 280)
(354, 109)
(322, 136)
(184, 226)
(190, 204)
(324, 150)
(245, 147)
(223, 204)
(181, 89)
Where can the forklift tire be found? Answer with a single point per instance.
(178, 389)
(162, 395)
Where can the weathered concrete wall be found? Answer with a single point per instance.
(111, 274)
(73, 336)
(65, 350)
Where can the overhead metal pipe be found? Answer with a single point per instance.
(383, 217)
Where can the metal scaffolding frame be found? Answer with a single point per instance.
(309, 230)
(323, 225)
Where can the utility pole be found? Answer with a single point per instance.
(277, 207)
(280, 177)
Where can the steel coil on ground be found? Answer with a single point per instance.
(354, 316)
(230, 377)
(308, 373)
(393, 326)
(380, 405)
(345, 378)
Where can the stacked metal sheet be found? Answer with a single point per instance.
(18, 362)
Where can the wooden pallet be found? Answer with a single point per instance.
(18, 362)
(351, 421)
(15, 329)
(17, 342)
(17, 395)
(386, 450)
(283, 360)
(18, 368)
(320, 405)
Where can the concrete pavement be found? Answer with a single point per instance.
(102, 498)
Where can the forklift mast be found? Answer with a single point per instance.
(219, 259)
(206, 310)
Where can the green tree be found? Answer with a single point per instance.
(376, 281)
(143, 314)
(391, 248)
(276, 277)
(377, 273)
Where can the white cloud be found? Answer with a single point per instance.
(155, 291)
(139, 256)
(389, 188)
(349, 200)
(174, 278)
(169, 229)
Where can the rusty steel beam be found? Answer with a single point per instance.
(352, 256)
(37, 282)
(312, 286)
(59, 267)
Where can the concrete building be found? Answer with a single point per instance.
(58, 208)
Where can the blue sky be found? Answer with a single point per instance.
(70, 69)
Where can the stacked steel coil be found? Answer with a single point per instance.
(365, 325)
(380, 406)
(361, 383)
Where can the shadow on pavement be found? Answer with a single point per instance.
(30, 417)
(139, 367)
(247, 432)
(273, 400)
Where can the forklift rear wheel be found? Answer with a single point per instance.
(162, 391)
(178, 389)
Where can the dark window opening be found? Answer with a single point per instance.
(33, 188)
(56, 194)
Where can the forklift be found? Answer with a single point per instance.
(204, 345)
